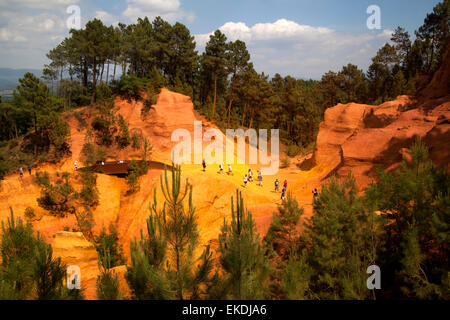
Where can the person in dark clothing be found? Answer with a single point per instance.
(204, 165)
(315, 194)
(283, 194)
(29, 169)
(277, 186)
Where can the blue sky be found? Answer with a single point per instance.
(303, 38)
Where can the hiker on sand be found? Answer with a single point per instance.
(285, 185)
(230, 171)
(315, 194)
(277, 185)
(283, 195)
(245, 181)
(29, 169)
(250, 175)
(75, 164)
(260, 178)
(204, 165)
(221, 168)
(21, 172)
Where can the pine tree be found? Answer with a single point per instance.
(163, 262)
(48, 273)
(282, 236)
(237, 62)
(108, 281)
(214, 60)
(290, 274)
(179, 229)
(414, 201)
(241, 255)
(108, 248)
(28, 269)
(339, 242)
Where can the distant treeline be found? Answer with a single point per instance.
(222, 81)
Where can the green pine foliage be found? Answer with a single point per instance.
(48, 274)
(340, 242)
(108, 285)
(415, 202)
(108, 247)
(283, 235)
(57, 198)
(28, 269)
(242, 258)
(163, 263)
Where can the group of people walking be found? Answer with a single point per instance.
(277, 188)
(21, 170)
(229, 172)
(249, 178)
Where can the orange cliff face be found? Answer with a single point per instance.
(356, 138)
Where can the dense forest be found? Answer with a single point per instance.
(400, 222)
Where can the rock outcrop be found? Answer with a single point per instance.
(357, 138)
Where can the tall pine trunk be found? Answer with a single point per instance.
(215, 94)
(107, 74)
(243, 114)
(251, 118)
(229, 112)
(101, 74)
(85, 73)
(94, 82)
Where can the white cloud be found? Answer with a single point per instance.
(287, 47)
(25, 38)
(106, 18)
(37, 4)
(167, 9)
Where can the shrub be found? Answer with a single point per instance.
(129, 87)
(109, 250)
(56, 198)
(108, 285)
(285, 162)
(103, 93)
(123, 138)
(133, 182)
(89, 192)
(136, 141)
(85, 222)
(29, 213)
(293, 150)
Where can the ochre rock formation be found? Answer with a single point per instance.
(357, 138)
